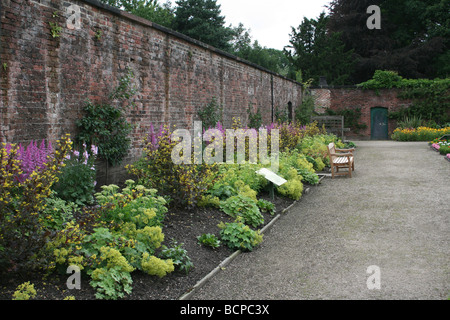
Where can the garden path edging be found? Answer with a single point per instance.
(228, 260)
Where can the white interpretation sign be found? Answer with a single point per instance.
(271, 176)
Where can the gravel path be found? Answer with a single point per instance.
(393, 214)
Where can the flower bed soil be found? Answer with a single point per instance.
(181, 226)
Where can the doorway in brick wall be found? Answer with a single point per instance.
(379, 123)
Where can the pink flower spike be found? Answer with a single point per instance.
(94, 150)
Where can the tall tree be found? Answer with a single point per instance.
(202, 20)
(315, 52)
(147, 9)
(413, 39)
(271, 59)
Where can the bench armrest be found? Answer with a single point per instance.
(342, 154)
(345, 150)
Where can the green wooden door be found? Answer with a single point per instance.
(379, 123)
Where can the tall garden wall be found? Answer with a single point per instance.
(352, 98)
(45, 79)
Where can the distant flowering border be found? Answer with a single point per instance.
(442, 146)
(419, 134)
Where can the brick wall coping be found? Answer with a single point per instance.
(179, 35)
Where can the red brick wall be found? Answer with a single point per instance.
(45, 81)
(353, 98)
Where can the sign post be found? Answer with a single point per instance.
(273, 179)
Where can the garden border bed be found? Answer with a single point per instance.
(228, 260)
(175, 286)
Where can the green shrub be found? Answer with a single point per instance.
(410, 122)
(209, 240)
(23, 231)
(113, 279)
(245, 190)
(245, 207)
(295, 168)
(105, 125)
(292, 189)
(136, 204)
(76, 182)
(178, 256)
(298, 161)
(266, 206)
(209, 201)
(238, 236)
(184, 184)
(25, 291)
(57, 212)
(229, 174)
(210, 114)
(430, 98)
(319, 165)
(155, 266)
(124, 235)
(444, 150)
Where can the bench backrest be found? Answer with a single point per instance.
(331, 150)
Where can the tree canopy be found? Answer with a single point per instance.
(202, 20)
(315, 52)
(413, 40)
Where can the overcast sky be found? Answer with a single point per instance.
(269, 21)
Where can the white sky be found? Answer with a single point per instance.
(269, 21)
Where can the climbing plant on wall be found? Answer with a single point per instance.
(430, 98)
(105, 125)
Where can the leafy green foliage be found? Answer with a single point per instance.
(293, 188)
(202, 20)
(304, 169)
(413, 39)
(147, 9)
(178, 255)
(57, 212)
(430, 98)
(244, 175)
(238, 236)
(105, 125)
(113, 279)
(316, 52)
(76, 181)
(22, 229)
(155, 266)
(305, 111)
(209, 240)
(244, 207)
(135, 204)
(211, 114)
(184, 184)
(25, 291)
(122, 234)
(444, 150)
(271, 59)
(266, 206)
(254, 119)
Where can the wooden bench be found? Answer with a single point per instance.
(341, 158)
